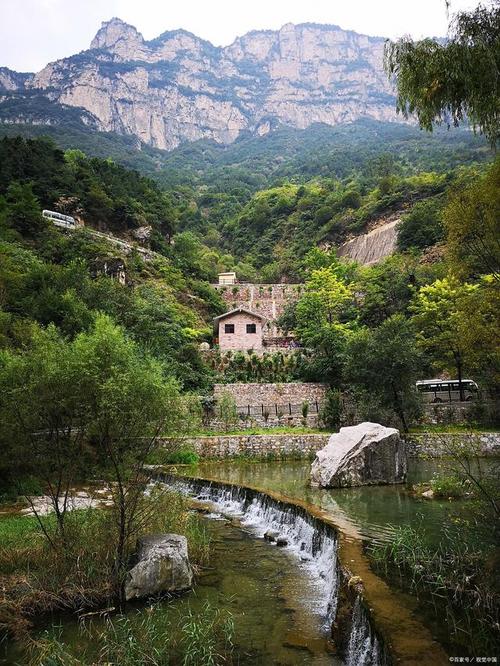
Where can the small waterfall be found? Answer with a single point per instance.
(308, 538)
(363, 646)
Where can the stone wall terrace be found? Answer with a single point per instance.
(257, 394)
(265, 446)
(437, 445)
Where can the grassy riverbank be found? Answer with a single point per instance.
(42, 572)
(457, 579)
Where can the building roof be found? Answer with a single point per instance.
(237, 311)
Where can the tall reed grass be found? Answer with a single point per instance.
(150, 637)
(459, 578)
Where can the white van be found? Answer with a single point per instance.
(446, 390)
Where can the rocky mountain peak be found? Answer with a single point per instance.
(179, 87)
(115, 35)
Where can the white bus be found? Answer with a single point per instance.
(59, 219)
(446, 390)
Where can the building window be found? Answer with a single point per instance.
(228, 328)
(251, 328)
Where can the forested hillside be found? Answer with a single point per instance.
(261, 203)
(288, 232)
(50, 277)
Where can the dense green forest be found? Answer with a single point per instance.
(261, 203)
(49, 277)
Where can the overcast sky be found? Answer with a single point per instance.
(35, 32)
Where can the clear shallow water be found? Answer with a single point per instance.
(267, 591)
(270, 592)
(367, 513)
(312, 543)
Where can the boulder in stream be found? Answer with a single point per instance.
(270, 536)
(162, 567)
(365, 454)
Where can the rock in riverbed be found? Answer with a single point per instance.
(270, 536)
(162, 566)
(365, 454)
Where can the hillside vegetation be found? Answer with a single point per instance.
(49, 277)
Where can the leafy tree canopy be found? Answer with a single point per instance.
(472, 221)
(448, 82)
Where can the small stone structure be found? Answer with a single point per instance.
(228, 446)
(239, 330)
(365, 454)
(162, 567)
(227, 278)
(267, 300)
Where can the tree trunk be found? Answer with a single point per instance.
(459, 366)
(398, 406)
(120, 546)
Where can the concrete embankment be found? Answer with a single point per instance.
(373, 246)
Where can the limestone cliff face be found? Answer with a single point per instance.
(178, 87)
(12, 81)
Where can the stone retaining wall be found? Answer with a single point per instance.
(228, 446)
(273, 405)
(298, 445)
(486, 411)
(270, 394)
(437, 444)
(374, 246)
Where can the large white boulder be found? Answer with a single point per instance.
(365, 454)
(162, 566)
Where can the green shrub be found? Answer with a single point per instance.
(25, 486)
(458, 575)
(182, 455)
(331, 409)
(422, 227)
(447, 486)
